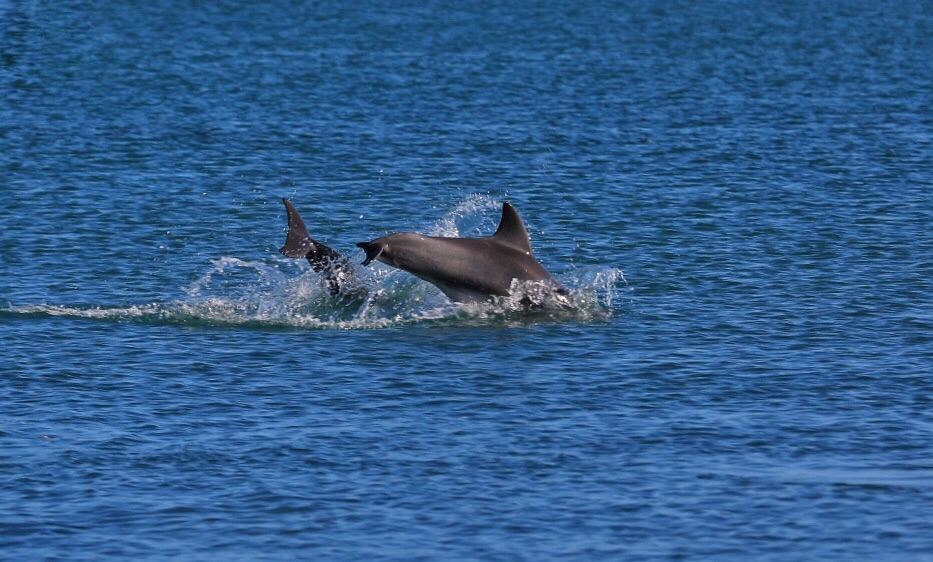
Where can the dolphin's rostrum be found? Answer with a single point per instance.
(465, 269)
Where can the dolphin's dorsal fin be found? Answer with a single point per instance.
(298, 243)
(511, 230)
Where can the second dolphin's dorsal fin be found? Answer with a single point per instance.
(511, 230)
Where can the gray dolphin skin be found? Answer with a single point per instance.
(467, 269)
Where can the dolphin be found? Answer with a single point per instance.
(337, 271)
(469, 269)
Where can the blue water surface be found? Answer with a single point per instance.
(738, 195)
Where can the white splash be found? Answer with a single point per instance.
(467, 218)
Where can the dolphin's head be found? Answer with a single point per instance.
(373, 249)
(404, 250)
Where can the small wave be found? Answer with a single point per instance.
(84, 311)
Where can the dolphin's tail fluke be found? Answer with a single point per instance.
(335, 269)
(298, 243)
(373, 250)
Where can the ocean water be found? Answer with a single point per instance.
(739, 194)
